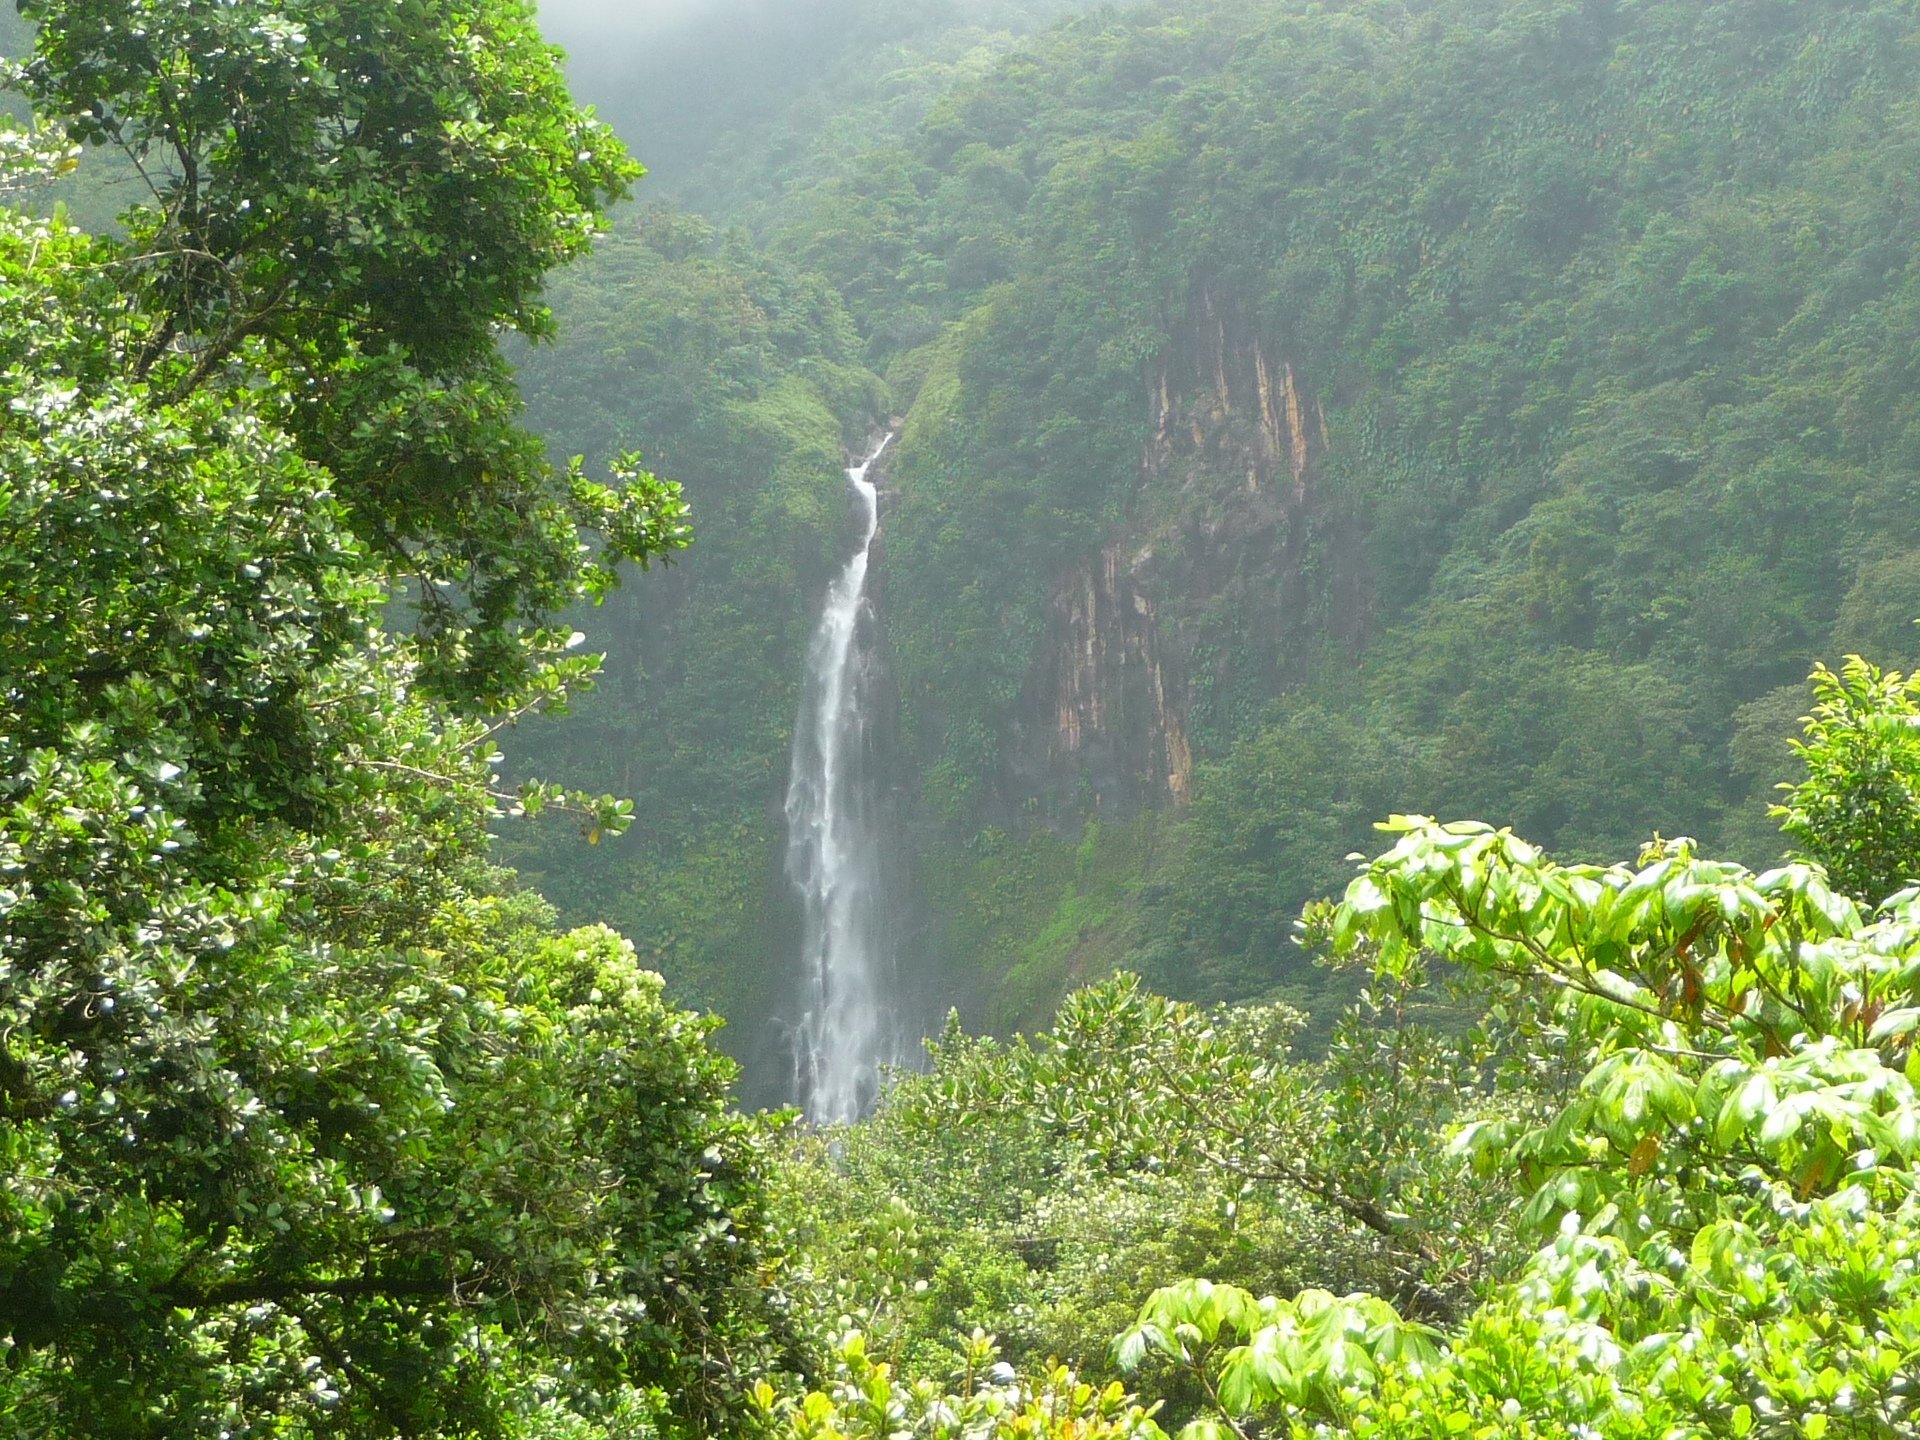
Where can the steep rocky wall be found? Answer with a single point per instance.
(1204, 592)
(1100, 710)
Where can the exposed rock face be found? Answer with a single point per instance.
(1114, 725)
(1233, 403)
(1235, 438)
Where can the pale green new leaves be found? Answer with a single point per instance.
(1313, 1353)
(1729, 1188)
(865, 1400)
(1763, 1013)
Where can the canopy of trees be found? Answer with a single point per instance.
(1655, 1180)
(1603, 305)
(318, 1121)
(312, 1122)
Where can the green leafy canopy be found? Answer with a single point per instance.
(353, 200)
(310, 1122)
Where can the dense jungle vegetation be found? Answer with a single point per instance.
(1309, 415)
(1595, 316)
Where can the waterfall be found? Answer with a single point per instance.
(833, 848)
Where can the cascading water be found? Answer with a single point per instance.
(833, 848)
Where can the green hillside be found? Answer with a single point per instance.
(1495, 407)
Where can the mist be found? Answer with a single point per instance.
(673, 76)
(580, 24)
(575, 20)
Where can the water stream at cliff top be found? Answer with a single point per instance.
(834, 848)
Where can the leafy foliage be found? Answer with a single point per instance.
(1305, 1354)
(1695, 1089)
(988, 1401)
(356, 199)
(1043, 1191)
(1857, 812)
(1726, 1194)
(313, 1123)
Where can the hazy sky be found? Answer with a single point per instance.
(573, 18)
(576, 21)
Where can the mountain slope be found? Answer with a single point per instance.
(1319, 410)
(1489, 400)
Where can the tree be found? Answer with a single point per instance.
(1665, 1188)
(357, 197)
(1857, 812)
(864, 1400)
(308, 1119)
(1041, 1190)
(1724, 1204)
(310, 1123)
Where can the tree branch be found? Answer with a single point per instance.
(281, 1289)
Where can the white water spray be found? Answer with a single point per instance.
(833, 850)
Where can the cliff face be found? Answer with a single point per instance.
(1201, 605)
(1100, 710)
(1228, 400)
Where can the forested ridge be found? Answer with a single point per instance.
(1305, 419)
(1490, 409)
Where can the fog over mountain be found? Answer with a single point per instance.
(587, 27)
(711, 93)
(574, 22)
(666, 72)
